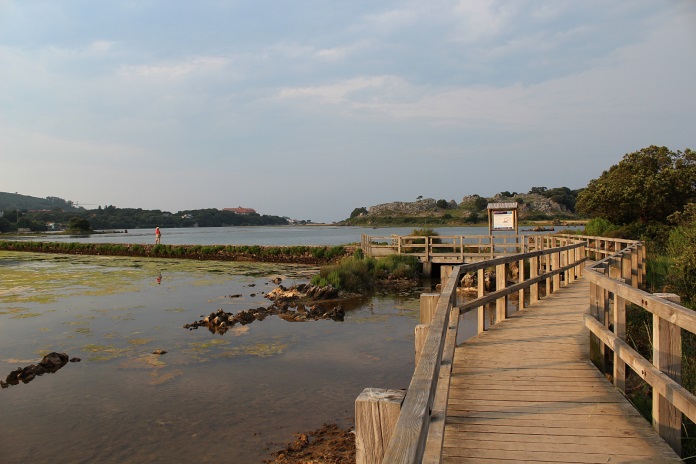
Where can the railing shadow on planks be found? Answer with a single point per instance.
(410, 429)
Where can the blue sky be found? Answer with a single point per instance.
(309, 109)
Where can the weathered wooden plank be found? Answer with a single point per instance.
(636, 447)
(555, 457)
(535, 407)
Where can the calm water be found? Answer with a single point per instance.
(211, 398)
(276, 235)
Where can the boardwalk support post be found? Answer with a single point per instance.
(376, 413)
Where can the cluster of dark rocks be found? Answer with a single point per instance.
(50, 363)
(294, 304)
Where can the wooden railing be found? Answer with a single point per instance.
(418, 433)
(459, 248)
(614, 282)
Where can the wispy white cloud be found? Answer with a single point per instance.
(175, 70)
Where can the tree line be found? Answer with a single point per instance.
(110, 217)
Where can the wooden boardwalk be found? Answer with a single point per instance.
(525, 391)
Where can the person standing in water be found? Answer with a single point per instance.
(158, 235)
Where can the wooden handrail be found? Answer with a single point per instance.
(418, 433)
(614, 281)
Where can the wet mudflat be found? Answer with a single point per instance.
(233, 397)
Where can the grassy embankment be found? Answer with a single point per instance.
(273, 254)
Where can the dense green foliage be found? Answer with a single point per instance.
(358, 212)
(21, 211)
(78, 225)
(645, 186)
(110, 217)
(357, 274)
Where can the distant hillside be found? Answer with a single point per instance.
(25, 202)
(540, 204)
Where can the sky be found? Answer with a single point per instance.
(310, 109)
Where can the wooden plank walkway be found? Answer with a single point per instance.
(525, 391)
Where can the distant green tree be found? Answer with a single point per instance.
(441, 204)
(358, 212)
(646, 186)
(34, 226)
(5, 225)
(682, 247)
(480, 203)
(79, 225)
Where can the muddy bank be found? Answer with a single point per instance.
(328, 444)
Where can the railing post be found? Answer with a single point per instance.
(642, 264)
(547, 262)
(597, 311)
(534, 272)
(667, 356)
(500, 283)
(481, 310)
(428, 304)
(619, 323)
(376, 413)
(634, 267)
(520, 302)
(555, 264)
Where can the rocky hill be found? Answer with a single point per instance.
(471, 210)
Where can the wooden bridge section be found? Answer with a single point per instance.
(526, 391)
(532, 386)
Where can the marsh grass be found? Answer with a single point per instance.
(357, 274)
(289, 254)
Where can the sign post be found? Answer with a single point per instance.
(502, 217)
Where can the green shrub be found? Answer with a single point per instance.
(599, 227)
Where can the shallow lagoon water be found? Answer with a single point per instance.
(232, 397)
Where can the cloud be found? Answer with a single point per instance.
(175, 70)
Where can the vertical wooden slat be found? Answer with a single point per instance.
(534, 272)
(620, 331)
(555, 264)
(667, 356)
(481, 310)
(596, 345)
(520, 302)
(500, 283)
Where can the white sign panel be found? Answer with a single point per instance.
(503, 220)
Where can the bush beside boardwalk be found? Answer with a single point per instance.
(272, 254)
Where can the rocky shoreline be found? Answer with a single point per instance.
(299, 303)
